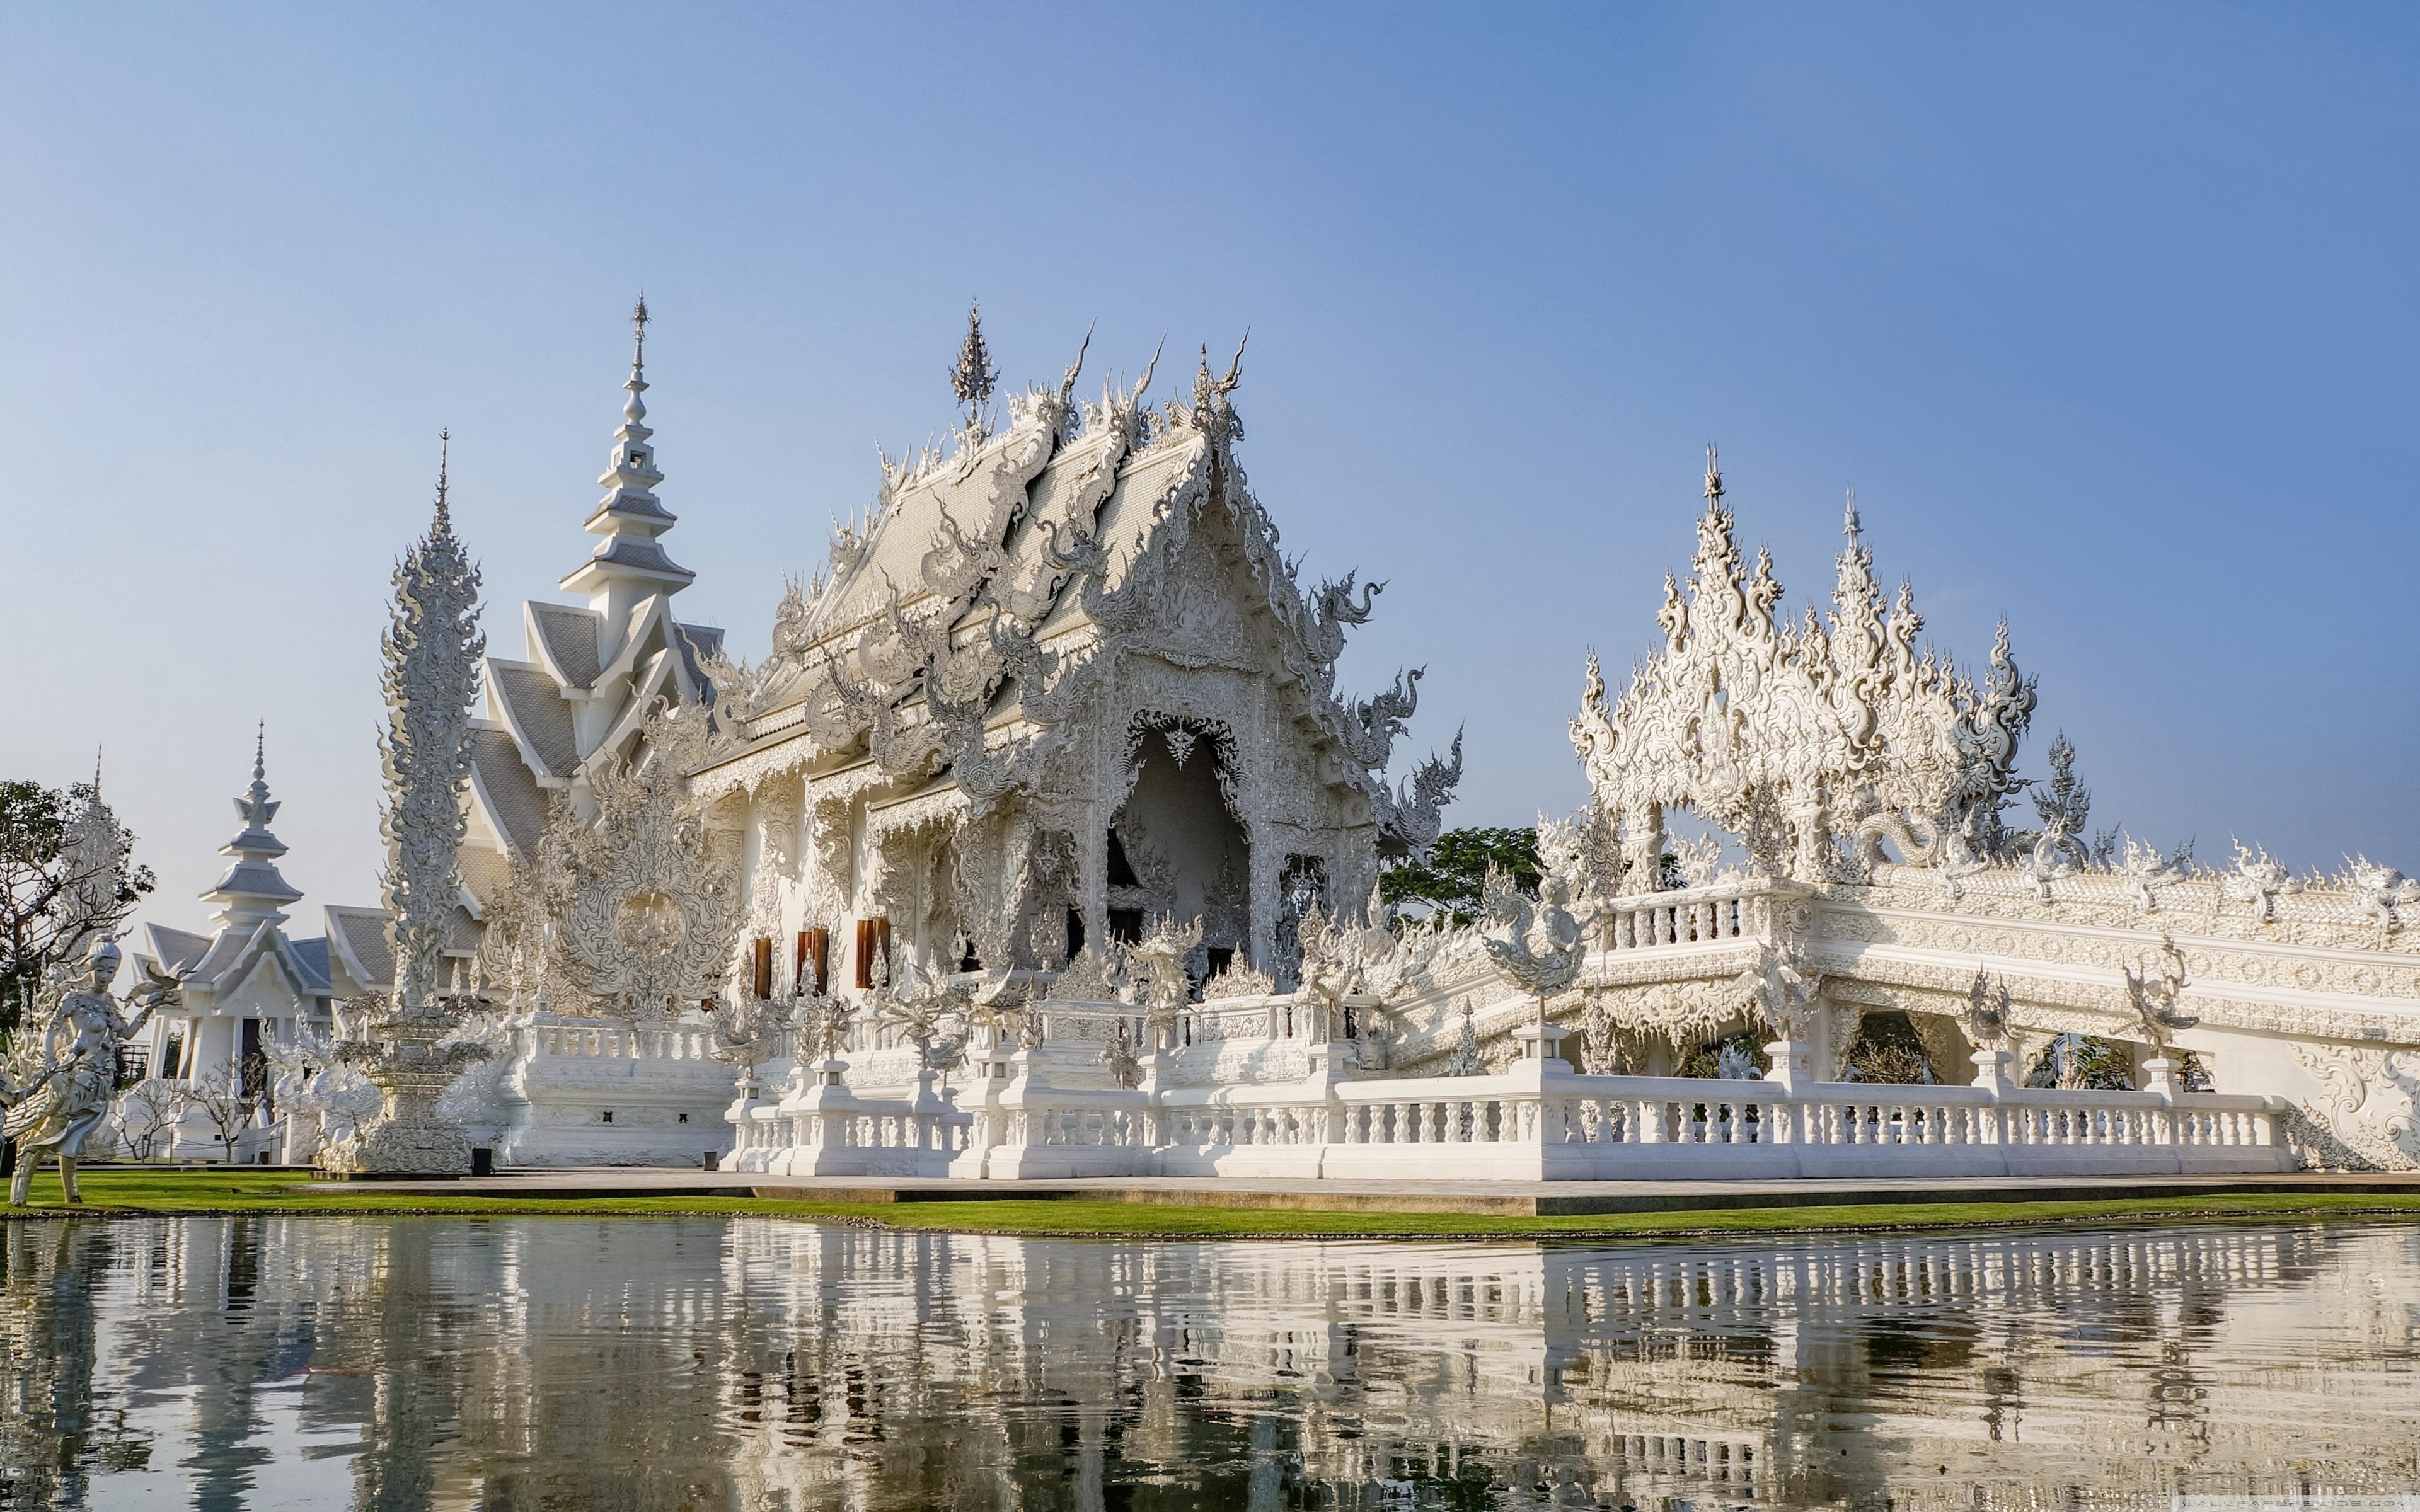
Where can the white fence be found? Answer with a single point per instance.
(1528, 1124)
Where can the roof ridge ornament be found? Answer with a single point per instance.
(1811, 746)
(444, 457)
(972, 376)
(630, 517)
(1213, 409)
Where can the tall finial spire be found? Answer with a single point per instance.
(1713, 476)
(972, 376)
(252, 890)
(1848, 518)
(631, 517)
(444, 457)
(634, 409)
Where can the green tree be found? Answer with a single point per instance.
(2085, 1062)
(64, 877)
(1887, 1049)
(1449, 880)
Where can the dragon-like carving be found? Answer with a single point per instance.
(1410, 818)
(1373, 724)
(2258, 880)
(1332, 609)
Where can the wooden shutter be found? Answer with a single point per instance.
(763, 967)
(873, 942)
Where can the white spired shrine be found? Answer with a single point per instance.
(1044, 845)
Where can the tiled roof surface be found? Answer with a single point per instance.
(569, 636)
(539, 713)
(512, 794)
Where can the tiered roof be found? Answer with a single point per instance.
(251, 898)
(252, 890)
(589, 671)
(631, 517)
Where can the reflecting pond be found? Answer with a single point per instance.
(400, 1363)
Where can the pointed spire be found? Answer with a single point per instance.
(252, 889)
(631, 517)
(1848, 517)
(972, 376)
(1713, 476)
(635, 409)
(444, 457)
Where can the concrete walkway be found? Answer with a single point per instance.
(1506, 1198)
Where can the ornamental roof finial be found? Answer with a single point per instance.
(444, 454)
(630, 517)
(634, 410)
(251, 891)
(972, 376)
(255, 806)
(1849, 517)
(1713, 476)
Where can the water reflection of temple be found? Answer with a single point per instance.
(764, 1365)
(2002, 1367)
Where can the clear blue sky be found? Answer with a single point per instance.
(2108, 311)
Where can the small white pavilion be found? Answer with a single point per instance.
(246, 983)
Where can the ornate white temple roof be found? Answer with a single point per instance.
(631, 517)
(220, 971)
(589, 671)
(990, 571)
(252, 890)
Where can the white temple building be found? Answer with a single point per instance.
(246, 983)
(577, 1088)
(1044, 845)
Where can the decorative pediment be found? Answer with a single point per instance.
(635, 913)
(1811, 743)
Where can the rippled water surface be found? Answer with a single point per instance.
(762, 1364)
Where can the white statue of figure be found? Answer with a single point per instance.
(1785, 987)
(60, 1093)
(931, 1014)
(2147, 868)
(1989, 1013)
(2153, 996)
(1468, 1060)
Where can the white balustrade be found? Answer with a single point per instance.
(619, 1041)
(1561, 1125)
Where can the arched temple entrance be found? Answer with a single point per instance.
(1177, 846)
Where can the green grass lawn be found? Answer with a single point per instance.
(123, 1191)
